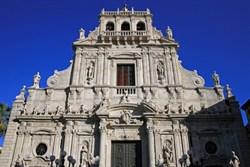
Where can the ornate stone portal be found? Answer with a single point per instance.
(126, 92)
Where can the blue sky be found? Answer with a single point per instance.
(37, 35)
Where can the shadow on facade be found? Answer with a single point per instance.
(216, 136)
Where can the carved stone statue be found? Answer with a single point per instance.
(167, 108)
(126, 116)
(216, 79)
(90, 72)
(125, 97)
(69, 108)
(37, 79)
(229, 91)
(82, 109)
(36, 110)
(58, 110)
(81, 34)
(169, 33)
(85, 156)
(234, 162)
(160, 70)
(168, 152)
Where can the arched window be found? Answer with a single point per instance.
(110, 26)
(140, 26)
(125, 26)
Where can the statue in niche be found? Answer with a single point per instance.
(85, 156)
(160, 70)
(90, 71)
(234, 162)
(87, 159)
(216, 79)
(37, 79)
(126, 116)
(169, 33)
(168, 152)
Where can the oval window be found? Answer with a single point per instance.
(41, 149)
(211, 147)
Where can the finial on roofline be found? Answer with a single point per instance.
(125, 7)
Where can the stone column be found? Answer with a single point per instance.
(151, 69)
(170, 70)
(102, 154)
(99, 67)
(158, 147)
(105, 69)
(57, 143)
(83, 65)
(26, 143)
(68, 137)
(177, 144)
(151, 143)
(18, 146)
(145, 67)
(185, 143)
(175, 69)
(74, 145)
(76, 67)
(117, 25)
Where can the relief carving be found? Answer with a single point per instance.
(125, 97)
(168, 152)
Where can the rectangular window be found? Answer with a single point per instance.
(125, 75)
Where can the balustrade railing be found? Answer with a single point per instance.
(125, 12)
(129, 90)
(125, 33)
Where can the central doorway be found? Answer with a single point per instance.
(126, 154)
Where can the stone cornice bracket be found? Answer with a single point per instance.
(49, 93)
(171, 92)
(201, 93)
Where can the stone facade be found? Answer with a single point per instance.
(85, 110)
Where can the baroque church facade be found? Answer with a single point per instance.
(125, 101)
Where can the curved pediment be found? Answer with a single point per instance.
(43, 131)
(136, 110)
(125, 55)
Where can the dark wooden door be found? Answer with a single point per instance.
(126, 154)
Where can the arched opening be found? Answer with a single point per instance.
(110, 26)
(125, 26)
(140, 26)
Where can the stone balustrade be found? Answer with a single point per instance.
(125, 33)
(128, 89)
(125, 12)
